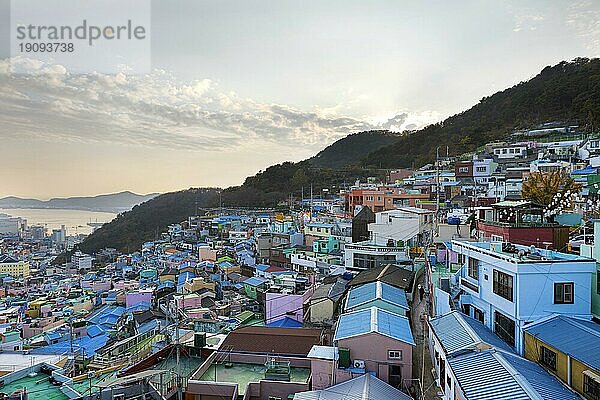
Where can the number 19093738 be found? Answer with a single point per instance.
(46, 47)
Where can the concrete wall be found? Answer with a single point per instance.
(277, 305)
(200, 390)
(321, 372)
(373, 349)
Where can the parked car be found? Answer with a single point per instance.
(577, 241)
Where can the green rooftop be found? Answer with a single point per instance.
(38, 388)
(242, 374)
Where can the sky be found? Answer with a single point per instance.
(236, 86)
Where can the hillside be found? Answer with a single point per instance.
(145, 221)
(114, 202)
(567, 92)
(353, 148)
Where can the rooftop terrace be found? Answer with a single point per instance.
(518, 253)
(38, 388)
(242, 374)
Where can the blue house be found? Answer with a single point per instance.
(507, 286)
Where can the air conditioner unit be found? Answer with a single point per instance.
(359, 364)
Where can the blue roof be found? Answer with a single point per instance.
(374, 320)
(559, 332)
(106, 315)
(456, 331)
(363, 294)
(586, 171)
(184, 277)
(86, 344)
(496, 375)
(95, 330)
(286, 322)
(254, 281)
(261, 267)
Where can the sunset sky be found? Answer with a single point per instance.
(237, 86)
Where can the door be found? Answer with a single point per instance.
(395, 376)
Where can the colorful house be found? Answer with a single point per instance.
(379, 342)
(568, 348)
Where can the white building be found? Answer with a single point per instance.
(365, 255)
(510, 151)
(11, 225)
(81, 261)
(507, 286)
(404, 224)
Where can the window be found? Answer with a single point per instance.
(503, 151)
(563, 293)
(591, 387)
(503, 285)
(512, 151)
(478, 314)
(480, 169)
(548, 358)
(504, 327)
(473, 268)
(368, 261)
(395, 354)
(463, 169)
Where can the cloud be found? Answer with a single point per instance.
(47, 102)
(527, 22)
(583, 18)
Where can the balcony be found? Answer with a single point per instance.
(469, 285)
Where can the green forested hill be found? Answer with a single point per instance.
(353, 148)
(568, 92)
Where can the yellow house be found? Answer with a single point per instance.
(568, 348)
(13, 267)
(35, 308)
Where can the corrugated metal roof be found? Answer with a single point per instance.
(365, 387)
(452, 333)
(498, 375)
(363, 294)
(541, 381)
(560, 331)
(374, 320)
(483, 377)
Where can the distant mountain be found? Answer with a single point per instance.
(115, 202)
(353, 148)
(568, 92)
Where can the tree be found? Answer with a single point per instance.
(543, 188)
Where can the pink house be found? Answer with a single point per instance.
(378, 341)
(278, 306)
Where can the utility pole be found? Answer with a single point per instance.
(178, 352)
(437, 187)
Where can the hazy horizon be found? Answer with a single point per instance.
(238, 86)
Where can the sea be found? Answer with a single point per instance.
(75, 221)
